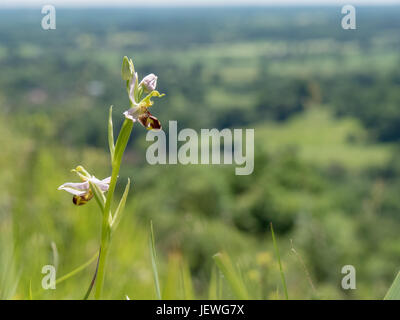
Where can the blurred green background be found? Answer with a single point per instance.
(325, 105)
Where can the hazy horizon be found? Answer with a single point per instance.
(188, 3)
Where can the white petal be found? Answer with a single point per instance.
(74, 192)
(106, 180)
(83, 186)
(77, 189)
(102, 184)
(132, 113)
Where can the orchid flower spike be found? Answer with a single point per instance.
(81, 191)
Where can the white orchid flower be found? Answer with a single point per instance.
(145, 118)
(139, 107)
(139, 111)
(81, 190)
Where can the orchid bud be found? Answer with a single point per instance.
(127, 69)
(149, 82)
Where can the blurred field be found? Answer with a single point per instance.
(322, 140)
(325, 105)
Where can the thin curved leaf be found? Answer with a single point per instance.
(121, 206)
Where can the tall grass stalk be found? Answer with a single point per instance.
(279, 262)
(153, 255)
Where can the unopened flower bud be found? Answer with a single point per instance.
(149, 82)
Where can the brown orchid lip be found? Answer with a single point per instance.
(81, 200)
(149, 121)
(154, 123)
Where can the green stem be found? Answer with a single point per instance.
(120, 147)
(91, 285)
(105, 243)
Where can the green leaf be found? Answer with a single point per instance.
(122, 142)
(98, 195)
(118, 213)
(234, 279)
(280, 264)
(111, 134)
(154, 262)
(394, 290)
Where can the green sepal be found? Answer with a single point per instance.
(111, 134)
(127, 69)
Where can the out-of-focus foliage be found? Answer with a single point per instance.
(325, 105)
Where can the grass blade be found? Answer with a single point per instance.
(394, 290)
(77, 270)
(154, 261)
(280, 264)
(213, 286)
(302, 263)
(224, 264)
(30, 290)
(172, 284)
(188, 291)
(91, 285)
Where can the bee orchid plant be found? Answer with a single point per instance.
(140, 95)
